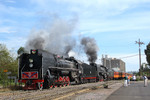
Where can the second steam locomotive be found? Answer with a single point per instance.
(41, 69)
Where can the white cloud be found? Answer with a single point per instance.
(98, 11)
(136, 21)
(12, 10)
(6, 30)
(10, 1)
(105, 7)
(14, 42)
(90, 8)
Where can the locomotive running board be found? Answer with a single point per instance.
(64, 69)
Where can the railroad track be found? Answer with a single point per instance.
(82, 91)
(54, 94)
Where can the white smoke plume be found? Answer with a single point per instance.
(56, 37)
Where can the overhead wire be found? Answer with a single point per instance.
(130, 56)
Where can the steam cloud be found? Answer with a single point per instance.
(56, 38)
(90, 48)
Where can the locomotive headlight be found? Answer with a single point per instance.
(31, 65)
(31, 60)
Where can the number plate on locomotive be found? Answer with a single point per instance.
(29, 75)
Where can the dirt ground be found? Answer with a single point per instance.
(97, 94)
(90, 91)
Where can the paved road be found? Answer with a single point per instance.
(136, 91)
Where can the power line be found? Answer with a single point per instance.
(129, 56)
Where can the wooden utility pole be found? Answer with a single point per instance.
(139, 43)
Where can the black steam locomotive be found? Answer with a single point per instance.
(41, 69)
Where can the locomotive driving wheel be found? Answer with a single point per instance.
(68, 80)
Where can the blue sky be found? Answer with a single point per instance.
(115, 24)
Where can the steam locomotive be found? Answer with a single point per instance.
(40, 69)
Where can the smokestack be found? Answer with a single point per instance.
(90, 48)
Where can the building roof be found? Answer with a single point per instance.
(116, 69)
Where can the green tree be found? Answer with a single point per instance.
(7, 62)
(145, 69)
(147, 53)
